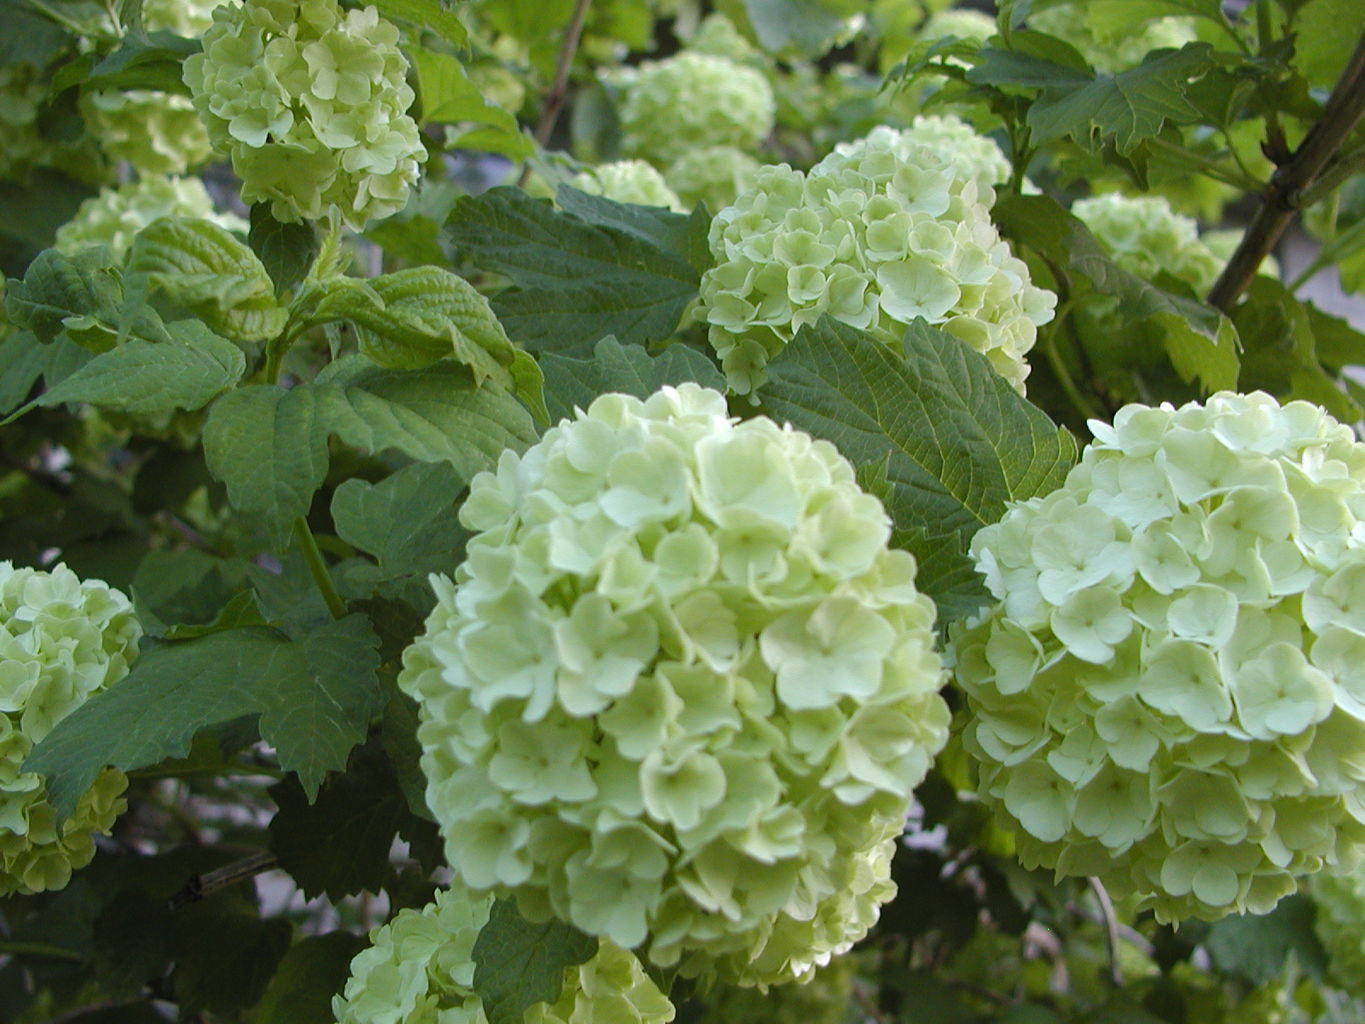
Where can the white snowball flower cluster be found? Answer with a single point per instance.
(115, 215)
(714, 175)
(1144, 235)
(880, 232)
(692, 101)
(419, 969)
(156, 132)
(311, 104)
(972, 154)
(628, 181)
(1115, 48)
(1340, 926)
(62, 640)
(1170, 694)
(680, 690)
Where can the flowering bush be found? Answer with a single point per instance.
(419, 969)
(679, 691)
(114, 216)
(1168, 694)
(628, 181)
(62, 640)
(691, 101)
(881, 232)
(310, 102)
(1145, 236)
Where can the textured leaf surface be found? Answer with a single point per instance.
(957, 440)
(307, 977)
(80, 297)
(575, 282)
(449, 96)
(437, 15)
(314, 694)
(571, 382)
(518, 963)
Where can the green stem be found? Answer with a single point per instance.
(1073, 392)
(1330, 252)
(318, 568)
(216, 771)
(39, 949)
(1209, 167)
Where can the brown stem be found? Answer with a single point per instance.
(554, 100)
(1284, 196)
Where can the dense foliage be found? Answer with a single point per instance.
(646, 510)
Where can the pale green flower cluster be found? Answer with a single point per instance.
(183, 17)
(156, 132)
(680, 690)
(972, 154)
(62, 640)
(310, 102)
(717, 36)
(1144, 235)
(1340, 925)
(715, 175)
(1117, 46)
(115, 215)
(419, 969)
(628, 181)
(1170, 694)
(694, 101)
(879, 233)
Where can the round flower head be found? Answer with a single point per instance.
(692, 101)
(1169, 694)
(680, 690)
(717, 36)
(628, 181)
(419, 969)
(714, 175)
(881, 232)
(114, 216)
(310, 102)
(1340, 925)
(1117, 47)
(1144, 235)
(973, 155)
(62, 640)
(156, 132)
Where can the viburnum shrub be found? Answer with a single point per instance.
(881, 232)
(680, 690)
(62, 640)
(1167, 694)
(559, 455)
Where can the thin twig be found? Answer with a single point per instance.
(554, 100)
(202, 886)
(1284, 196)
(1111, 930)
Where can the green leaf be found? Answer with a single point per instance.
(314, 969)
(1324, 39)
(806, 28)
(575, 282)
(626, 368)
(959, 441)
(79, 297)
(186, 372)
(29, 37)
(315, 696)
(448, 95)
(437, 15)
(432, 415)
(206, 269)
(23, 359)
(518, 963)
(684, 234)
(285, 250)
(269, 446)
(149, 61)
(339, 844)
(225, 964)
(1256, 947)
(1130, 106)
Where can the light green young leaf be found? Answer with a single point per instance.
(1324, 39)
(518, 963)
(626, 368)
(205, 268)
(315, 696)
(806, 28)
(958, 441)
(436, 15)
(432, 415)
(449, 96)
(575, 282)
(269, 446)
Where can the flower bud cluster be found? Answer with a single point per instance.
(62, 640)
(879, 233)
(419, 969)
(310, 102)
(115, 215)
(1116, 49)
(628, 181)
(680, 690)
(1170, 694)
(1144, 235)
(694, 101)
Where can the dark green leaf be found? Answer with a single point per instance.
(959, 441)
(285, 250)
(151, 61)
(629, 369)
(1255, 947)
(225, 964)
(437, 15)
(448, 95)
(78, 295)
(518, 963)
(575, 282)
(315, 696)
(307, 977)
